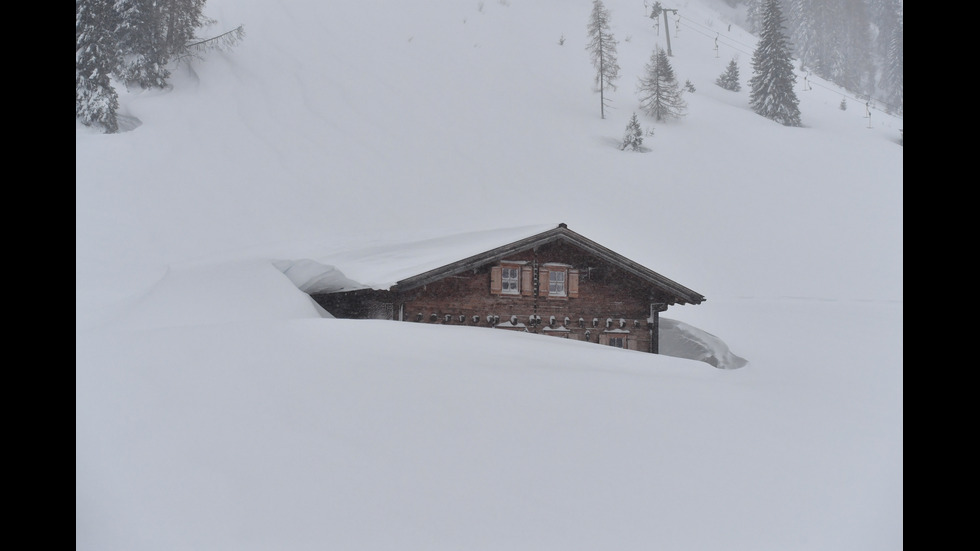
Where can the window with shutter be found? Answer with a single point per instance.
(510, 278)
(554, 279)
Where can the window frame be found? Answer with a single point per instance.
(554, 282)
(546, 283)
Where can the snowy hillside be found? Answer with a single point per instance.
(217, 408)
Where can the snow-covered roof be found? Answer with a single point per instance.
(407, 265)
(381, 264)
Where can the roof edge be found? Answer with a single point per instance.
(559, 232)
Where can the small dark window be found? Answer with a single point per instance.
(616, 341)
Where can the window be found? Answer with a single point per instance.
(616, 341)
(511, 277)
(556, 282)
(510, 280)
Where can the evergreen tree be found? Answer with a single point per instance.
(852, 43)
(804, 32)
(142, 42)
(633, 138)
(753, 15)
(889, 52)
(729, 79)
(854, 69)
(602, 47)
(180, 18)
(96, 57)
(656, 10)
(823, 54)
(772, 94)
(660, 96)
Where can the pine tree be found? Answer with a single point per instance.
(803, 31)
(142, 42)
(729, 79)
(660, 96)
(852, 43)
(96, 57)
(772, 94)
(656, 10)
(855, 50)
(602, 46)
(180, 18)
(633, 138)
(889, 53)
(753, 15)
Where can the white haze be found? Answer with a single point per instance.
(217, 408)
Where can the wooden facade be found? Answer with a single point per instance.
(555, 283)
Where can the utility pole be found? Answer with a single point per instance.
(667, 28)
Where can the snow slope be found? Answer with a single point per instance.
(217, 408)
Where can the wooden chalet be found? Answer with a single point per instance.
(555, 283)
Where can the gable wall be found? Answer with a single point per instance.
(604, 291)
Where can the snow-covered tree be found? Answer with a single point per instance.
(659, 93)
(180, 18)
(853, 68)
(141, 37)
(893, 70)
(889, 52)
(602, 47)
(133, 40)
(855, 44)
(655, 10)
(753, 15)
(729, 79)
(804, 32)
(772, 84)
(633, 138)
(96, 57)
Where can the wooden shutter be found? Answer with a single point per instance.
(527, 281)
(572, 283)
(543, 282)
(630, 342)
(495, 280)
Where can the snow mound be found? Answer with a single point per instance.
(312, 277)
(681, 340)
